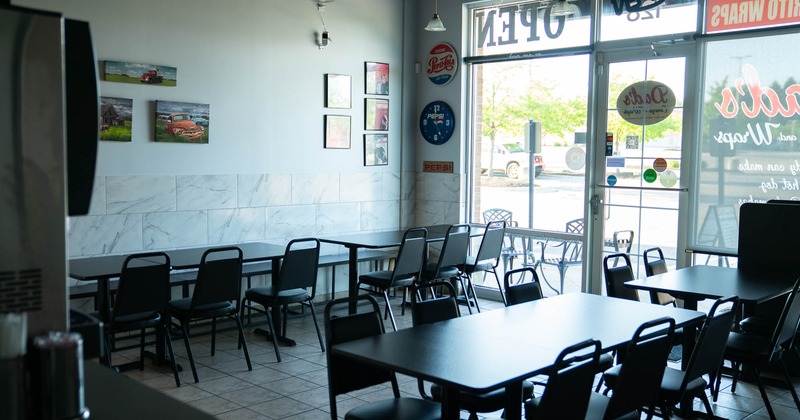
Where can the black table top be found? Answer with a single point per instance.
(110, 266)
(489, 350)
(110, 395)
(712, 282)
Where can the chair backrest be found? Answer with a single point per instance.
(411, 256)
(711, 341)
(346, 375)
(455, 247)
(494, 215)
(623, 240)
(143, 284)
(569, 385)
(642, 368)
(573, 250)
(492, 242)
(219, 278)
(300, 266)
(522, 292)
(786, 329)
(434, 309)
(653, 266)
(617, 276)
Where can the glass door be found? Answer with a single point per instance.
(637, 190)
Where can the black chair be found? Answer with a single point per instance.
(215, 294)
(706, 359)
(653, 266)
(485, 260)
(440, 309)
(571, 254)
(347, 375)
(407, 268)
(522, 292)
(452, 256)
(298, 274)
(569, 384)
(141, 302)
(758, 351)
(637, 380)
(616, 276)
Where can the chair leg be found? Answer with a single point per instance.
(706, 404)
(141, 349)
(316, 324)
(474, 296)
(168, 338)
(389, 309)
(757, 375)
(185, 331)
(562, 273)
(500, 287)
(466, 292)
(789, 384)
(213, 335)
(242, 340)
(272, 333)
(735, 376)
(108, 349)
(285, 319)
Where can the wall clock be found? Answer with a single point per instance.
(437, 122)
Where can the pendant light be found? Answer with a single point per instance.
(435, 24)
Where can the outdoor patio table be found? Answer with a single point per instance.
(500, 348)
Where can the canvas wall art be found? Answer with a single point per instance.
(376, 78)
(337, 132)
(182, 122)
(376, 149)
(140, 74)
(338, 88)
(376, 114)
(116, 118)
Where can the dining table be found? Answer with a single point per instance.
(698, 282)
(501, 348)
(377, 240)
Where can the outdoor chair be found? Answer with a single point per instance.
(637, 380)
(408, 267)
(441, 309)
(569, 384)
(486, 260)
(653, 266)
(510, 250)
(141, 302)
(616, 276)
(757, 351)
(215, 294)
(569, 254)
(298, 274)
(347, 375)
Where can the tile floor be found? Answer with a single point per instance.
(296, 388)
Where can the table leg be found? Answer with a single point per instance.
(451, 404)
(689, 333)
(352, 283)
(513, 409)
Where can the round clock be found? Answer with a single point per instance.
(437, 122)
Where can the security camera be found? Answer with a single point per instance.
(325, 39)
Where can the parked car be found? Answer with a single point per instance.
(200, 120)
(510, 159)
(181, 124)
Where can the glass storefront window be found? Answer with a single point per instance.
(628, 20)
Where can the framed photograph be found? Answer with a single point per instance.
(376, 78)
(337, 132)
(140, 74)
(182, 122)
(338, 88)
(116, 118)
(376, 149)
(376, 114)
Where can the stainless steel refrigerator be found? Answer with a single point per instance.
(48, 146)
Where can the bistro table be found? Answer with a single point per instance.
(376, 240)
(500, 348)
(695, 283)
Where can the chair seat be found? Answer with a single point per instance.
(383, 279)
(671, 385)
(429, 273)
(471, 265)
(181, 307)
(486, 402)
(397, 409)
(598, 404)
(757, 324)
(267, 295)
(748, 348)
(133, 322)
